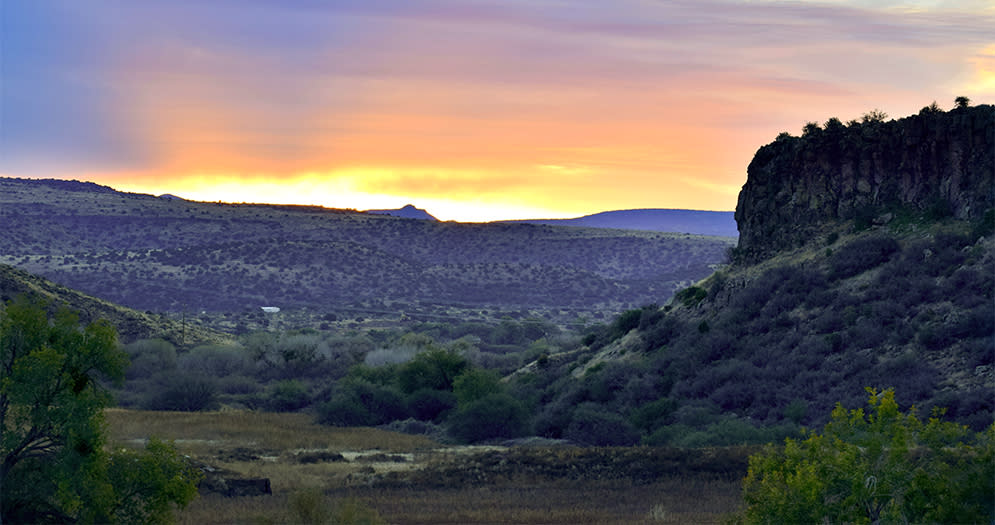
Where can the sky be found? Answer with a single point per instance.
(475, 110)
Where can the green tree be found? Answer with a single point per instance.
(962, 102)
(53, 465)
(883, 466)
(435, 368)
(476, 383)
(148, 483)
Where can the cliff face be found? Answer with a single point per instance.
(936, 162)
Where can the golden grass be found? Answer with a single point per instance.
(669, 501)
(220, 437)
(197, 432)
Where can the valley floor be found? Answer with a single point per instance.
(320, 472)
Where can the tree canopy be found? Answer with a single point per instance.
(882, 466)
(53, 462)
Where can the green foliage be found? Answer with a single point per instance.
(216, 360)
(474, 384)
(309, 507)
(153, 481)
(360, 403)
(289, 395)
(182, 391)
(650, 416)
(691, 295)
(53, 465)
(435, 369)
(962, 102)
(149, 357)
(625, 322)
(493, 416)
(985, 226)
(312, 507)
(796, 410)
(880, 466)
(431, 405)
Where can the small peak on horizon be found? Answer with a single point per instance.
(409, 211)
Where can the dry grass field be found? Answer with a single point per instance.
(363, 475)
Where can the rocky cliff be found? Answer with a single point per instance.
(935, 163)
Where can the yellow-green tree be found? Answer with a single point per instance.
(879, 466)
(53, 462)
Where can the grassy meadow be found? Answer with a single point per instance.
(398, 478)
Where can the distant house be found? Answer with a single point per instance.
(270, 309)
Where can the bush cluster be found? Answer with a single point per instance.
(436, 386)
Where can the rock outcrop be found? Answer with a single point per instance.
(934, 163)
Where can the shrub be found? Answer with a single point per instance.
(149, 357)
(366, 403)
(183, 392)
(390, 356)
(290, 395)
(435, 369)
(474, 384)
(344, 411)
(878, 466)
(309, 506)
(624, 323)
(861, 255)
(239, 385)
(985, 226)
(691, 295)
(430, 405)
(493, 416)
(216, 360)
(591, 425)
(312, 507)
(652, 415)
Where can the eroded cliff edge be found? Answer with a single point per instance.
(934, 163)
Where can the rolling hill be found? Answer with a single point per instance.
(131, 325)
(170, 255)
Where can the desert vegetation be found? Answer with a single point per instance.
(222, 262)
(881, 465)
(749, 355)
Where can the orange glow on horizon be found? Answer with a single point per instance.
(495, 110)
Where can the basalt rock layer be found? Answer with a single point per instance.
(935, 163)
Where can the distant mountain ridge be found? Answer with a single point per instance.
(698, 222)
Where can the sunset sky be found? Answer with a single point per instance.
(475, 109)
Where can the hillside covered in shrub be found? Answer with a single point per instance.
(172, 255)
